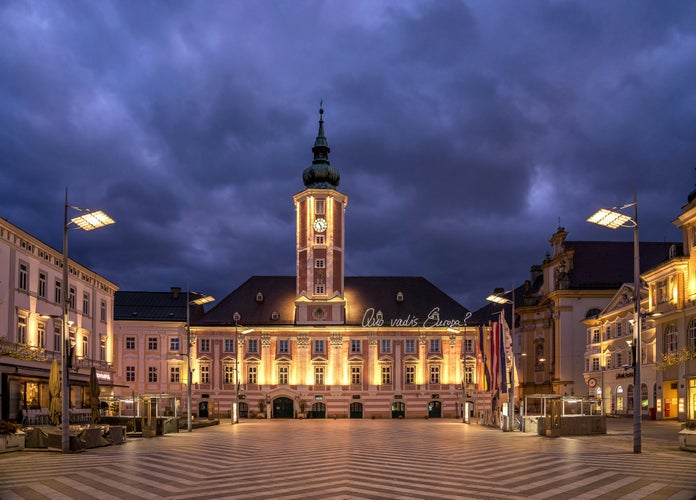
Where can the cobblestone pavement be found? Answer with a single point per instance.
(345, 459)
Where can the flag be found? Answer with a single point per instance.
(495, 355)
(509, 354)
(483, 373)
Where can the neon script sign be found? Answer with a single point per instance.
(375, 319)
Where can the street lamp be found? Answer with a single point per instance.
(613, 219)
(235, 410)
(499, 298)
(199, 300)
(88, 221)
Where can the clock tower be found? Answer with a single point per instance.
(320, 233)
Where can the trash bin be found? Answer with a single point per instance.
(652, 413)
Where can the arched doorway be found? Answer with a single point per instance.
(434, 409)
(356, 410)
(318, 410)
(398, 409)
(283, 408)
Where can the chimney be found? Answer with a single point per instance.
(176, 291)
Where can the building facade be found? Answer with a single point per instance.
(31, 291)
(317, 344)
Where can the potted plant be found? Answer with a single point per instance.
(262, 409)
(302, 404)
(11, 437)
(687, 436)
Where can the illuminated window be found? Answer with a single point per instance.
(318, 375)
(469, 374)
(43, 279)
(130, 373)
(410, 374)
(251, 374)
(205, 374)
(23, 276)
(102, 349)
(320, 206)
(434, 374)
(130, 343)
(21, 330)
(670, 339)
(662, 295)
(691, 335)
(410, 345)
(174, 374)
(85, 346)
(42, 335)
(152, 374)
(386, 375)
(619, 398)
(355, 373)
(283, 375)
(152, 343)
(229, 374)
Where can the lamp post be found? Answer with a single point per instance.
(499, 298)
(88, 221)
(613, 219)
(199, 300)
(235, 410)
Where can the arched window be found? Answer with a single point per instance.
(629, 397)
(643, 397)
(592, 313)
(691, 335)
(619, 398)
(670, 339)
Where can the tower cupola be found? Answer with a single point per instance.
(320, 174)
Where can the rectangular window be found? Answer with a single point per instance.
(354, 345)
(23, 276)
(320, 207)
(205, 345)
(595, 364)
(319, 347)
(85, 303)
(662, 295)
(319, 289)
(252, 345)
(130, 373)
(102, 311)
(619, 360)
(386, 375)
(283, 375)
(102, 349)
(608, 361)
(205, 374)
(71, 297)
(319, 263)
(618, 329)
(152, 374)
(57, 291)
(318, 375)
(284, 346)
(43, 280)
(229, 374)
(57, 337)
(468, 374)
(152, 343)
(595, 335)
(385, 345)
(251, 375)
(229, 345)
(434, 374)
(85, 346)
(607, 334)
(174, 344)
(468, 345)
(21, 330)
(42, 335)
(434, 345)
(174, 374)
(410, 345)
(410, 374)
(355, 373)
(130, 343)
(319, 239)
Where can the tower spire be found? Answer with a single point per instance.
(321, 174)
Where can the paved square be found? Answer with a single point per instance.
(361, 459)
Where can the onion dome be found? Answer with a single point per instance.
(321, 174)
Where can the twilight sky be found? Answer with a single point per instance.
(462, 130)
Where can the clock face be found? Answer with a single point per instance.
(320, 225)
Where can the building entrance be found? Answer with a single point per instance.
(318, 410)
(283, 408)
(398, 409)
(434, 409)
(356, 410)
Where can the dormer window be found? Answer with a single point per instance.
(259, 297)
(399, 297)
(275, 316)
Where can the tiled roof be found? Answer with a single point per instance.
(154, 306)
(420, 297)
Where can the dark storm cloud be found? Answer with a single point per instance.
(463, 131)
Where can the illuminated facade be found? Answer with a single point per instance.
(317, 344)
(30, 314)
(672, 307)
